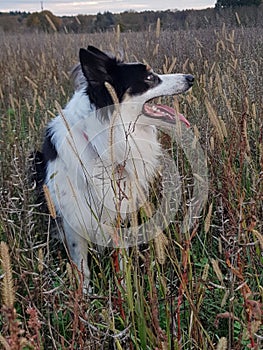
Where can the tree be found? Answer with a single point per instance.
(104, 21)
(44, 20)
(237, 3)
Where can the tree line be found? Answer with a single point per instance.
(248, 12)
(237, 3)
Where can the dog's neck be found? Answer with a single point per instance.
(120, 150)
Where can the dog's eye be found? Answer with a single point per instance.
(150, 77)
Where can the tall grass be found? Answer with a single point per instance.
(199, 290)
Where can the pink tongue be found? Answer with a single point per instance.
(164, 112)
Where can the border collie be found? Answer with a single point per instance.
(101, 153)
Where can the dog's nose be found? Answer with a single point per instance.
(190, 79)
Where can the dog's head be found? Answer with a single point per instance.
(132, 83)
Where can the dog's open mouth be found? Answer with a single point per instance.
(166, 113)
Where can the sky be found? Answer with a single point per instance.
(71, 7)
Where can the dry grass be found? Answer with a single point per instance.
(204, 289)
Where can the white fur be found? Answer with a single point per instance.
(103, 169)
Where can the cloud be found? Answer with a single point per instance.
(69, 7)
(91, 7)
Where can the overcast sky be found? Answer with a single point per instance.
(71, 7)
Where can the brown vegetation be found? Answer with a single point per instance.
(250, 16)
(199, 290)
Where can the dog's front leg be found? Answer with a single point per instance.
(78, 250)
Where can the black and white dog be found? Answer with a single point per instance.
(101, 152)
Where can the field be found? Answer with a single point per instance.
(199, 289)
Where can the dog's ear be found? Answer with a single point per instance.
(97, 51)
(95, 65)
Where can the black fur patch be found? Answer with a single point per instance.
(39, 162)
(98, 68)
(38, 168)
(49, 150)
(37, 174)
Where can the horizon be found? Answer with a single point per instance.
(92, 7)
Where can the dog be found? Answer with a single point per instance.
(101, 153)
